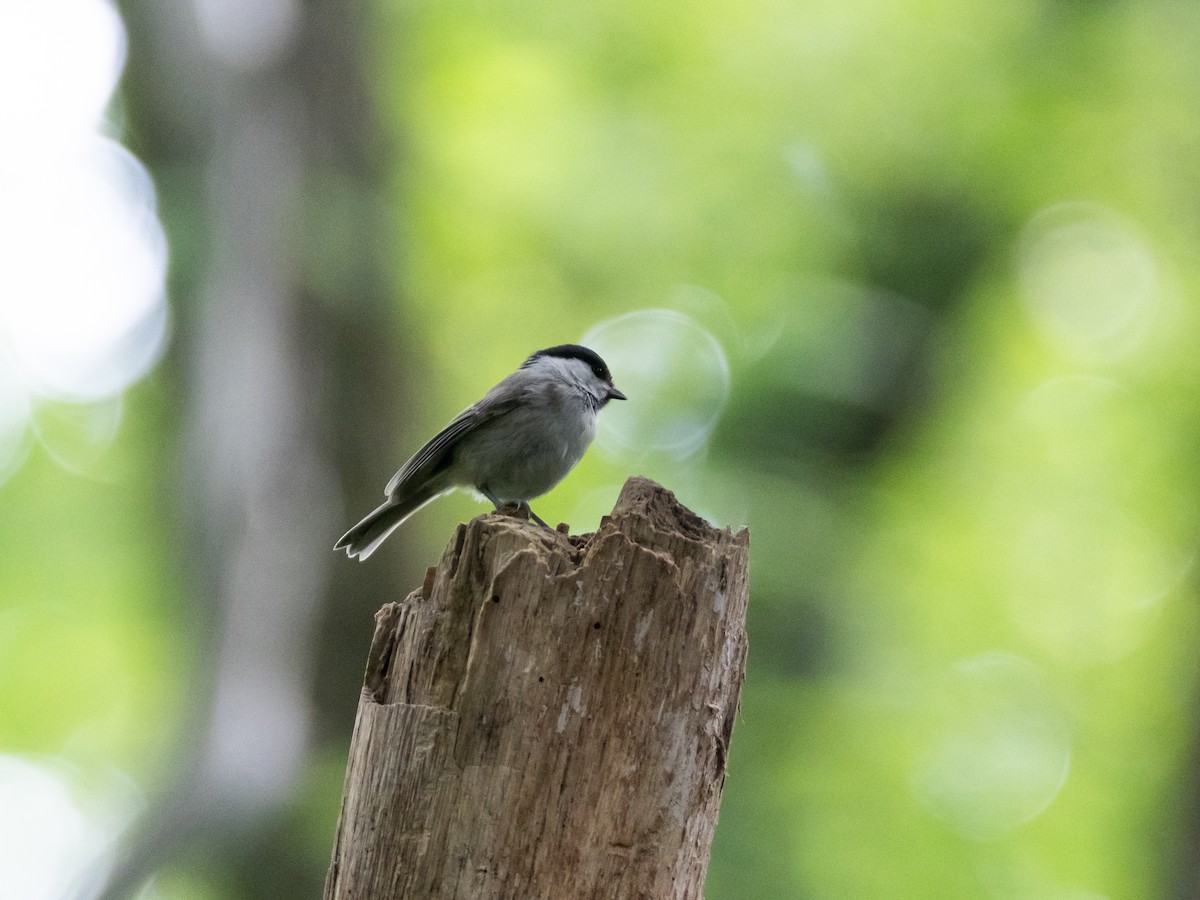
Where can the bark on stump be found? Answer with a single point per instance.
(548, 717)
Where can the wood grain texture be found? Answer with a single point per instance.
(548, 717)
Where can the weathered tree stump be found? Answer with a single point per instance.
(548, 717)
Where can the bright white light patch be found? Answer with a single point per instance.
(82, 253)
(59, 63)
(46, 842)
(83, 307)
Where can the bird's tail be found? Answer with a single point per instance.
(367, 535)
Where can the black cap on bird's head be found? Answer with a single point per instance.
(585, 355)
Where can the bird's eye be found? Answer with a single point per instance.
(599, 372)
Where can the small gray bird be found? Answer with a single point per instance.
(515, 444)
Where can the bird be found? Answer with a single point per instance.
(512, 446)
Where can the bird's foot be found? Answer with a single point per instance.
(535, 516)
(519, 506)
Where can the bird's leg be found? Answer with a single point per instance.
(495, 500)
(521, 505)
(534, 515)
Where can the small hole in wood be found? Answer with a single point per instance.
(597, 626)
(540, 679)
(495, 598)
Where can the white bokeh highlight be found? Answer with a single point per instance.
(1088, 279)
(83, 255)
(676, 376)
(51, 843)
(84, 313)
(59, 64)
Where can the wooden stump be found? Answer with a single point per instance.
(548, 717)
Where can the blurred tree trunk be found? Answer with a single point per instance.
(550, 717)
(256, 122)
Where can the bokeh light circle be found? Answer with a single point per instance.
(83, 303)
(675, 374)
(59, 64)
(1000, 750)
(83, 311)
(47, 842)
(1087, 278)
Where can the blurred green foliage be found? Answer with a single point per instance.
(949, 252)
(951, 273)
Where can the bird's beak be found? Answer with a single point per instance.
(614, 394)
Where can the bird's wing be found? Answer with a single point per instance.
(439, 450)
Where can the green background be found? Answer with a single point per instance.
(928, 276)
